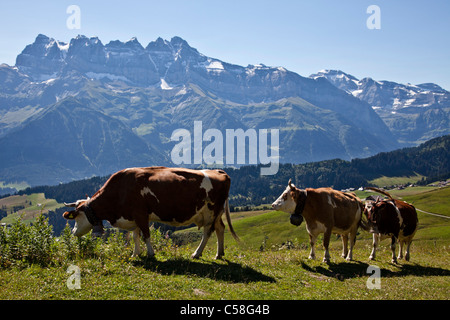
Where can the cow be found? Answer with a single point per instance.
(133, 197)
(326, 211)
(391, 218)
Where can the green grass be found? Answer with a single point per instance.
(34, 204)
(245, 274)
(389, 181)
(17, 185)
(435, 200)
(258, 267)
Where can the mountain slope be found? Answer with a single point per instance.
(413, 113)
(430, 159)
(69, 141)
(153, 90)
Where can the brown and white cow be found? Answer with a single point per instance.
(325, 211)
(133, 197)
(393, 219)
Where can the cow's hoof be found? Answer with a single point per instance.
(219, 256)
(312, 257)
(195, 256)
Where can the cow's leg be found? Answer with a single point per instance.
(400, 249)
(312, 242)
(220, 233)
(326, 243)
(146, 236)
(206, 234)
(142, 223)
(393, 244)
(137, 245)
(344, 245)
(375, 239)
(407, 250)
(150, 251)
(352, 244)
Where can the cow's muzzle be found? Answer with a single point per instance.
(296, 219)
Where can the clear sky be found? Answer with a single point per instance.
(412, 45)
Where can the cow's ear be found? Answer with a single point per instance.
(69, 215)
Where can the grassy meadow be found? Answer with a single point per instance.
(32, 205)
(270, 262)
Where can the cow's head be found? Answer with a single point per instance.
(292, 201)
(82, 224)
(373, 211)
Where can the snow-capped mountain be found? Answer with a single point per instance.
(164, 63)
(342, 80)
(82, 108)
(388, 95)
(414, 113)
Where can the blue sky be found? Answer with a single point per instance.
(413, 44)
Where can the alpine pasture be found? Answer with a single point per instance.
(270, 262)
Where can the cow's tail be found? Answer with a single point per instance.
(363, 223)
(227, 214)
(381, 191)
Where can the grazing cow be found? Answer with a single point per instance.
(133, 197)
(391, 218)
(325, 211)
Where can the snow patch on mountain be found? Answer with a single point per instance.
(100, 76)
(387, 95)
(165, 85)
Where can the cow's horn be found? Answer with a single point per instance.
(76, 203)
(72, 204)
(291, 185)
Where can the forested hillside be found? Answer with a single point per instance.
(431, 159)
(248, 187)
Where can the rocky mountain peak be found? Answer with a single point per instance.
(135, 97)
(338, 78)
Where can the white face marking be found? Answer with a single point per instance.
(285, 202)
(146, 190)
(82, 225)
(206, 182)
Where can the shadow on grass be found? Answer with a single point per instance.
(225, 270)
(348, 270)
